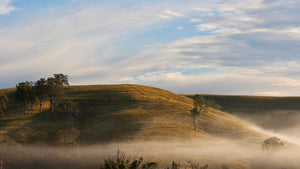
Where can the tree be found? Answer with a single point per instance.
(55, 87)
(61, 79)
(67, 108)
(23, 94)
(32, 94)
(3, 103)
(200, 107)
(41, 91)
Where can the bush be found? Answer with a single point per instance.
(120, 161)
(28, 135)
(174, 165)
(272, 144)
(67, 108)
(66, 137)
(197, 166)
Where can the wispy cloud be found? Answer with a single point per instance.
(172, 13)
(6, 7)
(168, 14)
(179, 28)
(206, 27)
(252, 46)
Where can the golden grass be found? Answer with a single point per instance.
(130, 112)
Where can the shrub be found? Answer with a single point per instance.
(174, 165)
(272, 144)
(67, 108)
(197, 166)
(66, 137)
(120, 161)
(28, 135)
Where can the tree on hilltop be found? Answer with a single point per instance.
(55, 88)
(25, 94)
(41, 91)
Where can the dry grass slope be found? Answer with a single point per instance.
(130, 112)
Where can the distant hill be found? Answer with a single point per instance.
(276, 113)
(124, 113)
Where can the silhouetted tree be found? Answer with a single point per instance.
(200, 107)
(55, 87)
(62, 79)
(32, 94)
(41, 91)
(3, 102)
(23, 94)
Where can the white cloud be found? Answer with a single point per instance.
(180, 28)
(6, 7)
(206, 27)
(165, 16)
(172, 13)
(195, 20)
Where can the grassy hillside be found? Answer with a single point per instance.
(121, 113)
(255, 104)
(269, 112)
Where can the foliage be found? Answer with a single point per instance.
(3, 103)
(25, 94)
(212, 103)
(272, 144)
(174, 165)
(200, 107)
(197, 166)
(28, 135)
(41, 91)
(66, 137)
(120, 161)
(66, 108)
(55, 88)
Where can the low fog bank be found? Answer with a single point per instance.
(282, 121)
(284, 124)
(214, 153)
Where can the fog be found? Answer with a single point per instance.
(215, 152)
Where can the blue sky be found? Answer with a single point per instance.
(195, 46)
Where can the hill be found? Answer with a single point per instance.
(275, 113)
(122, 113)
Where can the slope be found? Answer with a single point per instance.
(279, 114)
(115, 113)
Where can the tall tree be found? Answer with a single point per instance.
(55, 87)
(32, 94)
(41, 91)
(23, 94)
(62, 79)
(3, 103)
(200, 107)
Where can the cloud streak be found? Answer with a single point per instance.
(238, 47)
(6, 7)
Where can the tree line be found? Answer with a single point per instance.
(51, 88)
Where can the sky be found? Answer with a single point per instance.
(236, 47)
